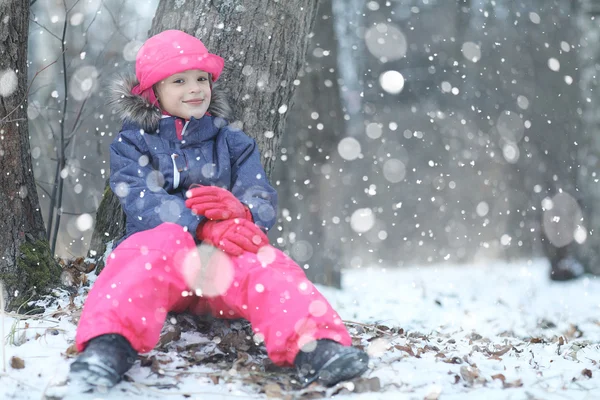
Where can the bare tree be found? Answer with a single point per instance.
(27, 266)
(264, 44)
(65, 124)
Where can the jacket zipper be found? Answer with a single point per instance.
(176, 174)
(184, 128)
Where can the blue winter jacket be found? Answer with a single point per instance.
(150, 172)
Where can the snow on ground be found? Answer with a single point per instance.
(493, 331)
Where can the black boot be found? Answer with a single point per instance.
(566, 269)
(104, 361)
(330, 363)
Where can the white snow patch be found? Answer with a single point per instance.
(466, 312)
(8, 82)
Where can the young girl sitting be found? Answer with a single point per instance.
(186, 179)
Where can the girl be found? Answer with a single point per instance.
(186, 179)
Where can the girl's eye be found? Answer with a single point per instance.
(202, 79)
(178, 81)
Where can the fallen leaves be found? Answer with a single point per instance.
(272, 390)
(502, 351)
(227, 355)
(74, 271)
(71, 351)
(407, 349)
(17, 363)
(587, 372)
(471, 375)
(537, 340)
(507, 385)
(171, 334)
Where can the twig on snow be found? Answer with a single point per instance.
(370, 326)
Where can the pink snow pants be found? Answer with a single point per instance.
(160, 270)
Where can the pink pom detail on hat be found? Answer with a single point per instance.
(168, 53)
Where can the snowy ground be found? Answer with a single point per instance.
(492, 331)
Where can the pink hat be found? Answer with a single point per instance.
(168, 53)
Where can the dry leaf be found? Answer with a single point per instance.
(471, 375)
(71, 351)
(172, 334)
(272, 390)
(155, 366)
(17, 363)
(406, 349)
(235, 340)
(514, 384)
(587, 372)
(90, 268)
(500, 377)
(453, 360)
(502, 351)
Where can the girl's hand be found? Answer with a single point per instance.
(233, 236)
(216, 203)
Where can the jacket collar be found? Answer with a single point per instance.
(196, 129)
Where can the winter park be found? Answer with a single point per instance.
(299, 199)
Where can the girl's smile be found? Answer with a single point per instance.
(185, 94)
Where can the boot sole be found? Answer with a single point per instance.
(93, 374)
(342, 368)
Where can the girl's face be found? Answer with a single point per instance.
(185, 94)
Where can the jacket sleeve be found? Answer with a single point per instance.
(139, 186)
(249, 181)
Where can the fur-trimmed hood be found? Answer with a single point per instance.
(135, 108)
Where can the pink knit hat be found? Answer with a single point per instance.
(168, 53)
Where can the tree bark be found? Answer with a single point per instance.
(264, 45)
(27, 267)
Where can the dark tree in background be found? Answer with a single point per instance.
(420, 132)
(27, 266)
(264, 46)
(588, 155)
(307, 149)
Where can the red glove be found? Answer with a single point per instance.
(233, 236)
(216, 203)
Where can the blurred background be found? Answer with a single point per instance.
(422, 131)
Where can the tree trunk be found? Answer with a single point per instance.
(340, 192)
(347, 17)
(589, 146)
(27, 267)
(314, 127)
(264, 45)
